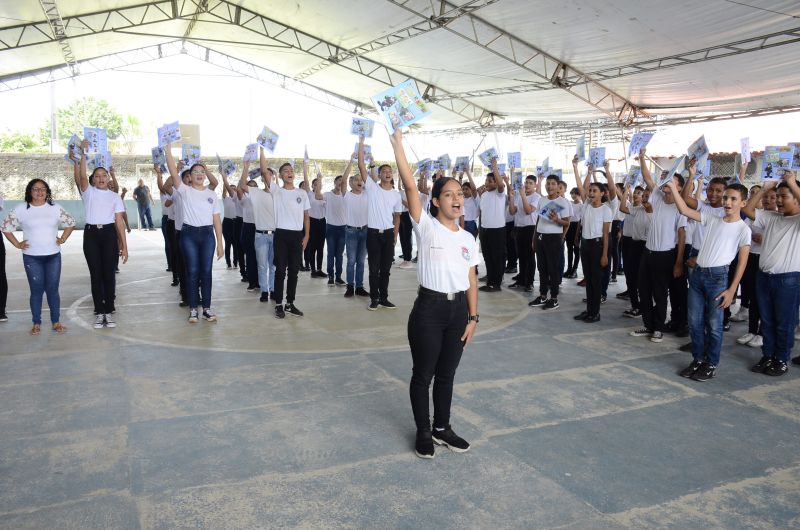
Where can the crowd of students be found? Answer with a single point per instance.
(678, 242)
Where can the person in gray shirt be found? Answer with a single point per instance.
(141, 194)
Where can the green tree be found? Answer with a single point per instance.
(85, 112)
(17, 142)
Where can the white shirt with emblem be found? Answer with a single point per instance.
(289, 207)
(101, 206)
(445, 257)
(780, 246)
(198, 206)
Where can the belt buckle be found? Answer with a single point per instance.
(451, 296)
(99, 227)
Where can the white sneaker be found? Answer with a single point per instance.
(756, 342)
(742, 316)
(193, 316)
(406, 265)
(744, 339)
(99, 321)
(110, 322)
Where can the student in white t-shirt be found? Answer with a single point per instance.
(383, 225)
(291, 234)
(201, 233)
(336, 224)
(493, 201)
(356, 215)
(522, 204)
(317, 228)
(445, 313)
(262, 204)
(472, 205)
(228, 221)
(103, 237)
(709, 291)
(573, 237)
(778, 278)
(634, 229)
(39, 218)
(552, 223)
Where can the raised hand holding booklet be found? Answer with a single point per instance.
(190, 154)
(401, 106)
(515, 159)
(461, 164)
(267, 139)
(777, 159)
(159, 158)
(74, 149)
(444, 162)
(250, 153)
(254, 173)
(545, 166)
(426, 164)
(103, 160)
(367, 152)
(703, 170)
(698, 150)
(597, 157)
(634, 176)
(501, 168)
(672, 170)
(226, 167)
(98, 139)
(169, 133)
(639, 142)
(362, 127)
(487, 156)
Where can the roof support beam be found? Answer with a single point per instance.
(535, 61)
(57, 26)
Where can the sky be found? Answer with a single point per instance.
(231, 109)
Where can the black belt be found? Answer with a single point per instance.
(436, 295)
(265, 232)
(97, 227)
(357, 227)
(592, 239)
(379, 230)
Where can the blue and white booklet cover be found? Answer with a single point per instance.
(502, 169)
(159, 158)
(362, 127)
(671, 171)
(558, 172)
(267, 139)
(745, 151)
(98, 139)
(487, 156)
(401, 105)
(777, 159)
(226, 167)
(367, 152)
(74, 149)
(634, 176)
(597, 157)
(461, 164)
(103, 160)
(250, 153)
(580, 148)
(514, 159)
(550, 207)
(516, 180)
(426, 164)
(545, 166)
(254, 173)
(639, 142)
(190, 154)
(169, 133)
(703, 170)
(796, 157)
(444, 162)
(698, 150)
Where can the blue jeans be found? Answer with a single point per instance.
(778, 296)
(471, 227)
(265, 257)
(705, 315)
(335, 236)
(44, 273)
(144, 212)
(197, 243)
(356, 243)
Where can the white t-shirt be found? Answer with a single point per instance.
(403, 198)
(289, 207)
(723, 240)
(229, 207)
(165, 210)
(526, 219)
(662, 233)
(335, 209)
(471, 209)
(493, 209)
(239, 208)
(445, 257)
(383, 204)
(593, 220)
(780, 247)
(39, 225)
(356, 209)
(317, 207)
(636, 223)
(577, 212)
(699, 230)
(425, 201)
(570, 210)
(247, 208)
(509, 217)
(199, 206)
(101, 206)
(755, 247)
(263, 205)
(545, 225)
(177, 208)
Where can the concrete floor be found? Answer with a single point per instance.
(257, 423)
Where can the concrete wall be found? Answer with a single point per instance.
(75, 207)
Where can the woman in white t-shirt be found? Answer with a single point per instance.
(445, 312)
(103, 236)
(573, 238)
(38, 218)
(200, 233)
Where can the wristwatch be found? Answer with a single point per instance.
(475, 318)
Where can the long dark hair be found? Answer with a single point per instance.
(29, 194)
(436, 191)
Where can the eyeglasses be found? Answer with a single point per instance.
(39, 189)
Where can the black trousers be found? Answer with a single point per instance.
(173, 248)
(679, 295)
(632, 248)
(288, 247)
(406, 230)
(238, 251)
(316, 244)
(101, 249)
(527, 261)
(731, 273)
(573, 246)
(3, 279)
(655, 273)
(493, 245)
(435, 328)
(167, 241)
(749, 289)
(548, 258)
(228, 231)
(180, 264)
(614, 247)
(511, 245)
(249, 250)
(380, 251)
(591, 252)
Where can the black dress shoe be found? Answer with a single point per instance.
(591, 319)
(581, 315)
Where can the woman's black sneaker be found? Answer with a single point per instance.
(423, 447)
(761, 366)
(550, 304)
(777, 368)
(450, 439)
(292, 310)
(279, 312)
(536, 302)
(690, 370)
(704, 372)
